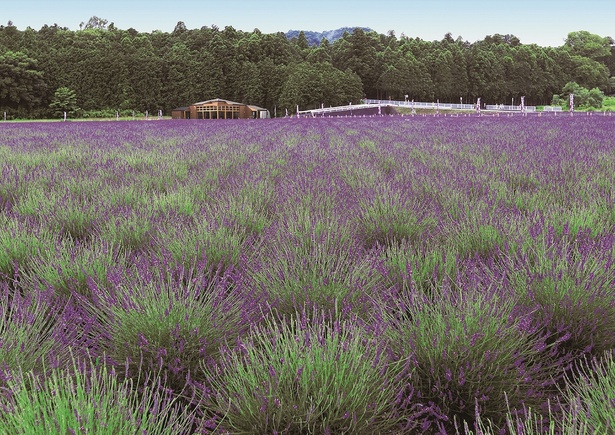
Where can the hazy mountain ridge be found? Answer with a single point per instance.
(314, 38)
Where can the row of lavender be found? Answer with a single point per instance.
(389, 275)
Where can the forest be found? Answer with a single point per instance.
(102, 69)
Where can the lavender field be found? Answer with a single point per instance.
(308, 276)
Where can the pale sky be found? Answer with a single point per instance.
(543, 22)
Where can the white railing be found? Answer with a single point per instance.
(422, 105)
(368, 103)
(449, 106)
(509, 108)
(323, 110)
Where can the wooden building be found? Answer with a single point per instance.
(220, 109)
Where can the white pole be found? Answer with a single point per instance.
(146, 114)
(5, 116)
(64, 116)
(117, 115)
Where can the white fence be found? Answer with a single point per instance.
(324, 110)
(508, 108)
(424, 105)
(450, 106)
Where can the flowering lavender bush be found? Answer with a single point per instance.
(310, 374)
(469, 258)
(28, 327)
(164, 319)
(470, 346)
(89, 398)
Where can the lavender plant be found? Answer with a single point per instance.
(530, 422)
(75, 218)
(67, 267)
(28, 324)
(312, 263)
(89, 398)
(470, 346)
(161, 317)
(130, 229)
(305, 375)
(591, 394)
(20, 242)
(220, 244)
(389, 219)
(569, 281)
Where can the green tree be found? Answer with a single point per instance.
(21, 83)
(590, 73)
(302, 41)
(595, 99)
(311, 85)
(64, 100)
(359, 52)
(583, 97)
(588, 45)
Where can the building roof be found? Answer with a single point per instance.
(256, 107)
(219, 100)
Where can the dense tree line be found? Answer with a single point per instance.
(113, 69)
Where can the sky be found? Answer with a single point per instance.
(542, 22)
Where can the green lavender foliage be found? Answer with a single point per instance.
(67, 267)
(530, 422)
(469, 346)
(591, 394)
(312, 261)
(167, 319)
(21, 243)
(27, 326)
(587, 402)
(569, 280)
(305, 375)
(89, 398)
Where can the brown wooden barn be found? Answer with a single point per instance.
(220, 109)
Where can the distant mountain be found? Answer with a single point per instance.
(314, 38)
